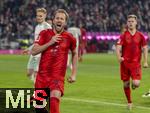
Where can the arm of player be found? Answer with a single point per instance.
(145, 56)
(72, 77)
(118, 53)
(40, 48)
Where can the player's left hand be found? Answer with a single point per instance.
(145, 65)
(71, 79)
(26, 52)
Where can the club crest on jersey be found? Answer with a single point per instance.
(137, 39)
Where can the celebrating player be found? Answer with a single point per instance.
(54, 44)
(129, 49)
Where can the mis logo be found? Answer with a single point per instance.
(23, 99)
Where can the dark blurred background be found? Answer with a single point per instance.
(102, 20)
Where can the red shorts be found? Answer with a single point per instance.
(43, 81)
(128, 70)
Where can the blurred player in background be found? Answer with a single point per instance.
(33, 63)
(54, 45)
(75, 31)
(129, 49)
(83, 43)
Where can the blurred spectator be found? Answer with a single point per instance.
(17, 17)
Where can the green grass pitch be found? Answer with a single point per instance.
(98, 88)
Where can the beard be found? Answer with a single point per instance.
(58, 29)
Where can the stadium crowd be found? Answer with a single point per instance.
(17, 17)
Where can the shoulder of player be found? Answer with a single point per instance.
(47, 25)
(74, 28)
(68, 34)
(46, 31)
(140, 33)
(124, 34)
(44, 34)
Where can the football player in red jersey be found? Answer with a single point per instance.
(129, 49)
(54, 45)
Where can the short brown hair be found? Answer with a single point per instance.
(61, 11)
(43, 10)
(132, 16)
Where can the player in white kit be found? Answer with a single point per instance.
(33, 63)
(75, 31)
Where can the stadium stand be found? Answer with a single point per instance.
(17, 17)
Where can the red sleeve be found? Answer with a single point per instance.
(41, 38)
(72, 43)
(120, 40)
(143, 42)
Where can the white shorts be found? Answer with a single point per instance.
(33, 63)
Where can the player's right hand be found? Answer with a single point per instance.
(55, 39)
